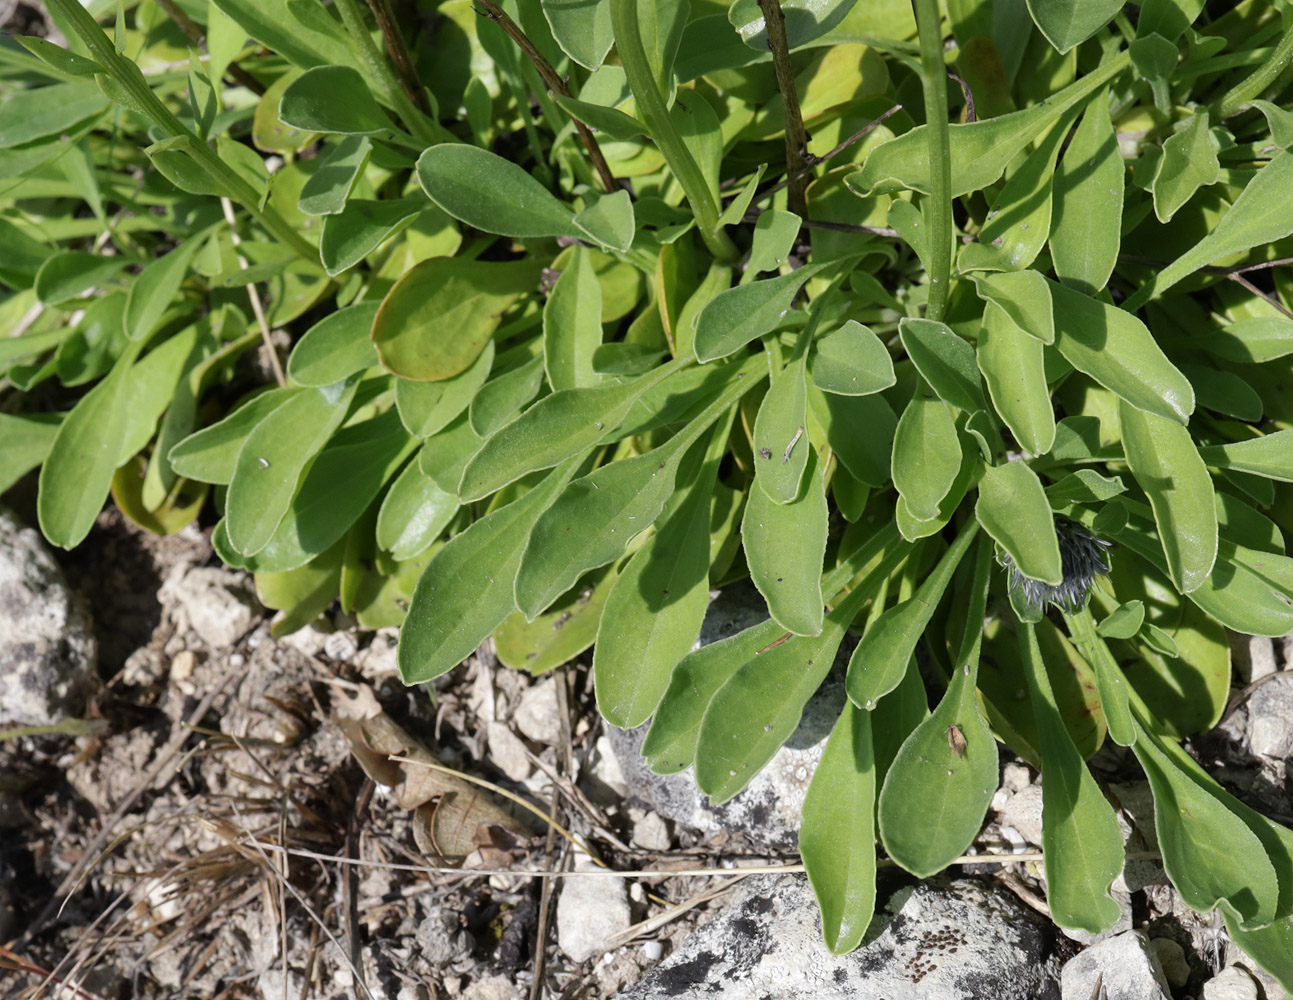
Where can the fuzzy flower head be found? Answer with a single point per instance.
(1082, 558)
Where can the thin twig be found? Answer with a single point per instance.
(554, 805)
(813, 161)
(797, 166)
(491, 9)
(350, 881)
(254, 295)
(668, 916)
(190, 28)
(399, 54)
(1238, 278)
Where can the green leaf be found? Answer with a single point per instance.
(361, 227)
(25, 441)
(1118, 351)
(614, 122)
(785, 545)
(980, 151)
(491, 193)
(1084, 486)
(1270, 947)
(1270, 456)
(40, 112)
(1024, 296)
(335, 348)
(1068, 23)
(837, 832)
(332, 99)
(153, 291)
(1256, 217)
(1014, 368)
(609, 220)
(560, 634)
(670, 744)
(1189, 162)
(937, 791)
(426, 408)
(303, 593)
(562, 425)
(1020, 220)
(860, 431)
(440, 315)
(739, 315)
(76, 477)
(1081, 843)
(413, 514)
(58, 57)
(447, 453)
(780, 435)
(211, 454)
(655, 608)
(774, 237)
(581, 28)
(1210, 854)
(1254, 340)
(501, 398)
(326, 190)
(465, 592)
(852, 361)
(69, 274)
(1124, 622)
(945, 360)
(760, 705)
(926, 454)
(1013, 509)
(572, 325)
(1166, 464)
(880, 660)
(272, 459)
(1279, 120)
(304, 43)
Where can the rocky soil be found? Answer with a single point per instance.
(203, 809)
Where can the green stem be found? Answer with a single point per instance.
(132, 81)
(1249, 89)
(1110, 683)
(651, 106)
(379, 71)
(934, 83)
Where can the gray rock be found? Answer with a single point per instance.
(1171, 959)
(1125, 966)
(589, 912)
(939, 940)
(1234, 983)
(217, 603)
(507, 752)
(47, 648)
(767, 812)
(651, 833)
(1270, 718)
(538, 715)
(1024, 813)
(1253, 656)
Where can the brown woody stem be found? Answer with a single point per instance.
(195, 35)
(399, 53)
(797, 166)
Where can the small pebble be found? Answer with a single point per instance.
(183, 665)
(653, 951)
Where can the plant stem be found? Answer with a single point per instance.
(797, 168)
(939, 217)
(1111, 686)
(652, 108)
(132, 81)
(399, 53)
(554, 83)
(379, 71)
(1233, 101)
(187, 25)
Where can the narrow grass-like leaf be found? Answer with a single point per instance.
(1081, 842)
(655, 608)
(466, 590)
(784, 547)
(157, 285)
(837, 833)
(881, 658)
(1168, 468)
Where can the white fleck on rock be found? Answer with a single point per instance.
(47, 648)
(1234, 983)
(589, 912)
(939, 940)
(1171, 958)
(1125, 966)
(217, 603)
(1024, 813)
(651, 833)
(538, 715)
(507, 752)
(1269, 710)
